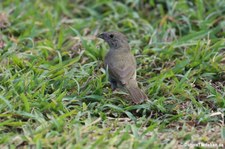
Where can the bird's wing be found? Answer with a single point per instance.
(122, 72)
(121, 65)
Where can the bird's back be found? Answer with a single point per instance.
(121, 65)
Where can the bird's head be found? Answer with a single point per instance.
(114, 39)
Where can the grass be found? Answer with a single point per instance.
(54, 91)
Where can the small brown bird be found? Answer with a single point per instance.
(121, 65)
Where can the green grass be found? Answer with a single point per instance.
(54, 91)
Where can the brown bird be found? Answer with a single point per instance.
(121, 65)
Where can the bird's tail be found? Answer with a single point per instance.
(137, 95)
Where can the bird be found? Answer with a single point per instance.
(121, 65)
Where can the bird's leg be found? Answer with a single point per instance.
(113, 83)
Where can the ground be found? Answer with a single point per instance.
(54, 91)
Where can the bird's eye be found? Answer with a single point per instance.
(111, 35)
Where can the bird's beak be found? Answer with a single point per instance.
(100, 36)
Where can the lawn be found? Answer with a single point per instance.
(54, 91)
